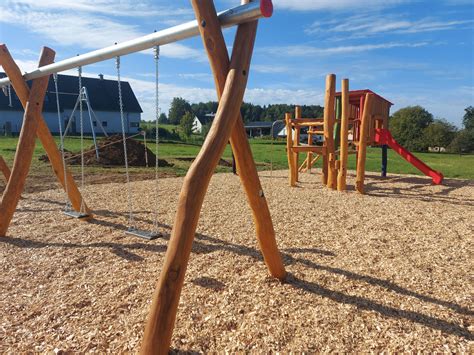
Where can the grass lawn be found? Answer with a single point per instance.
(451, 165)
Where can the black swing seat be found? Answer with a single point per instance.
(75, 214)
(142, 234)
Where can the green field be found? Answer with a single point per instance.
(451, 165)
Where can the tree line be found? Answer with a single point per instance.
(413, 127)
(416, 129)
(250, 112)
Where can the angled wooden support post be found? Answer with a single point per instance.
(216, 48)
(329, 121)
(22, 90)
(160, 324)
(26, 145)
(363, 139)
(344, 145)
(4, 169)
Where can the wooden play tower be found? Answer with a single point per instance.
(353, 121)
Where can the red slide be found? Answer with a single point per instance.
(384, 137)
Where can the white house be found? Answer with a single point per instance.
(200, 122)
(103, 96)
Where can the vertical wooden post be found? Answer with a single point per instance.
(4, 169)
(329, 120)
(297, 142)
(159, 328)
(26, 145)
(364, 132)
(344, 145)
(309, 157)
(22, 90)
(289, 149)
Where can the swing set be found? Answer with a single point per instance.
(230, 77)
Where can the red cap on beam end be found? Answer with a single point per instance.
(266, 7)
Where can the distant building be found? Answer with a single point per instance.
(260, 129)
(437, 149)
(103, 96)
(200, 122)
(281, 133)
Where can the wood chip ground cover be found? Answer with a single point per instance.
(391, 270)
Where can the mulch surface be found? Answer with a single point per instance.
(388, 271)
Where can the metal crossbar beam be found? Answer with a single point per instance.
(227, 18)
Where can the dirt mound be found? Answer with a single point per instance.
(111, 153)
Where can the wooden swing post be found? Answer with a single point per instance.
(4, 169)
(26, 143)
(344, 145)
(42, 131)
(363, 139)
(216, 48)
(159, 328)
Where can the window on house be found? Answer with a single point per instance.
(134, 124)
(104, 123)
(94, 123)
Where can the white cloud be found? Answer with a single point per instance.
(313, 5)
(145, 89)
(270, 68)
(371, 24)
(306, 51)
(87, 24)
(125, 8)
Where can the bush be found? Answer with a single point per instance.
(163, 133)
(408, 125)
(463, 142)
(439, 134)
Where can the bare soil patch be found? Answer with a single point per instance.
(111, 153)
(391, 270)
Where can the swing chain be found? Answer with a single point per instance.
(157, 139)
(124, 139)
(81, 119)
(9, 88)
(60, 125)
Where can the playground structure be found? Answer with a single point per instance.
(231, 75)
(353, 121)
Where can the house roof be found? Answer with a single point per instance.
(103, 95)
(258, 124)
(277, 126)
(355, 95)
(207, 118)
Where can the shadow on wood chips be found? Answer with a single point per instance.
(208, 244)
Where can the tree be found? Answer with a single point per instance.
(468, 120)
(439, 134)
(407, 126)
(178, 109)
(463, 142)
(163, 119)
(186, 124)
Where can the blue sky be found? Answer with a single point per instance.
(409, 51)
